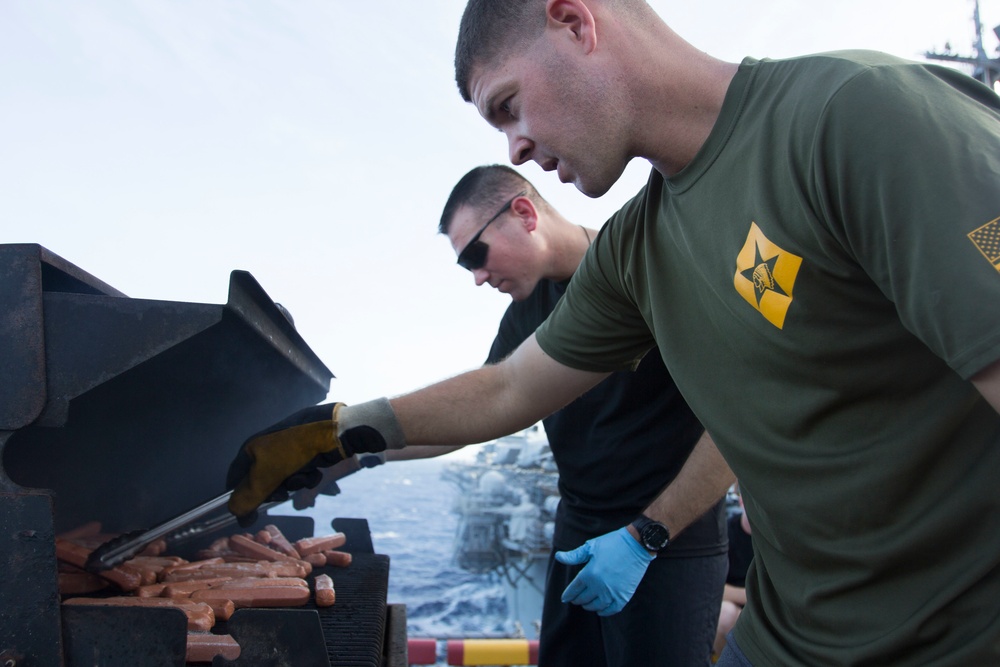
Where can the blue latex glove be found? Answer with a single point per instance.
(607, 582)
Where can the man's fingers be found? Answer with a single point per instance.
(577, 556)
(598, 604)
(577, 589)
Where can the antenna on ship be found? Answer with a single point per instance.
(985, 69)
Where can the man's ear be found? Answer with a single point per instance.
(575, 17)
(526, 212)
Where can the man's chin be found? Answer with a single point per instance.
(519, 295)
(591, 190)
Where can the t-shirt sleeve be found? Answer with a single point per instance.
(597, 325)
(911, 173)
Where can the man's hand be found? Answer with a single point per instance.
(616, 565)
(287, 456)
(284, 458)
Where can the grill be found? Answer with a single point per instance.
(128, 411)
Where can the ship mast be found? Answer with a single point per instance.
(985, 69)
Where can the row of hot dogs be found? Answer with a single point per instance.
(262, 570)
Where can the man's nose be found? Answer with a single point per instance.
(480, 276)
(520, 148)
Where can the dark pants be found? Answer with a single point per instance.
(670, 621)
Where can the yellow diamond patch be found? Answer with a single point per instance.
(765, 276)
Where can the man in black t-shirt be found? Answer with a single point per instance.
(616, 446)
(734, 597)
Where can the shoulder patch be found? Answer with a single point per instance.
(765, 276)
(987, 241)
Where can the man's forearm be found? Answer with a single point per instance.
(492, 401)
(700, 484)
(415, 452)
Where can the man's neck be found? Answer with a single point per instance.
(677, 92)
(686, 127)
(568, 249)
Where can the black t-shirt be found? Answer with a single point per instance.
(740, 551)
(616, 446)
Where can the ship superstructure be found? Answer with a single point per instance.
(506, 503)
(984, 67)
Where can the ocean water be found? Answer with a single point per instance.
(408, 507)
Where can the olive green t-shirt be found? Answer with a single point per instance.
(822, 280)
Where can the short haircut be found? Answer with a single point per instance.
(486, 187)
(492, 28)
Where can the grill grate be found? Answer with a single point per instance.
(354, 627)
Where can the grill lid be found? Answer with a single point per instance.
(130, 410)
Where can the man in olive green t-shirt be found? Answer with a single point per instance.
(817, 256)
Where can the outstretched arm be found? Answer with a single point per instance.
(474, 407)
(491, 401)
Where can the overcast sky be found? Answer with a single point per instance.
(160, 145)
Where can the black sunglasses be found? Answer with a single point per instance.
(473, 255)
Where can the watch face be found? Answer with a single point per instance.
(655, 536)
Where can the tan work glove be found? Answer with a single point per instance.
(287, 456)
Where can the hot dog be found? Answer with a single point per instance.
(338, 558)
(150, 591)
(312, 545)
(184, 589)
(199, 614)
(261, 583)
(316, 560)
(80, 583)
(235, 570)
(257, 596)
(204, 647)
(325, 595)
(280, 542)
(74, 554)
(253, 549)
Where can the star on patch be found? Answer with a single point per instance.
(765, 276)
(761, 274)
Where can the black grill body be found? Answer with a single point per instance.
(126, 411)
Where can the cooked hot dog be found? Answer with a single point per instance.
(253, 549)
(204, 647)
(74, 554)
(338, 558)
(199, 614)
(325, 595)
(267, 596)
(280, 542)
(312, 545)
(80, 583)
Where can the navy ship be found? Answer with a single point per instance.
(984, 67)
(506, 504)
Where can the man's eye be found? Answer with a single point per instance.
(505, 107)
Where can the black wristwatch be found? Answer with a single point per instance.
(652, 534)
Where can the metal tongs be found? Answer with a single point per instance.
(178, 529)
